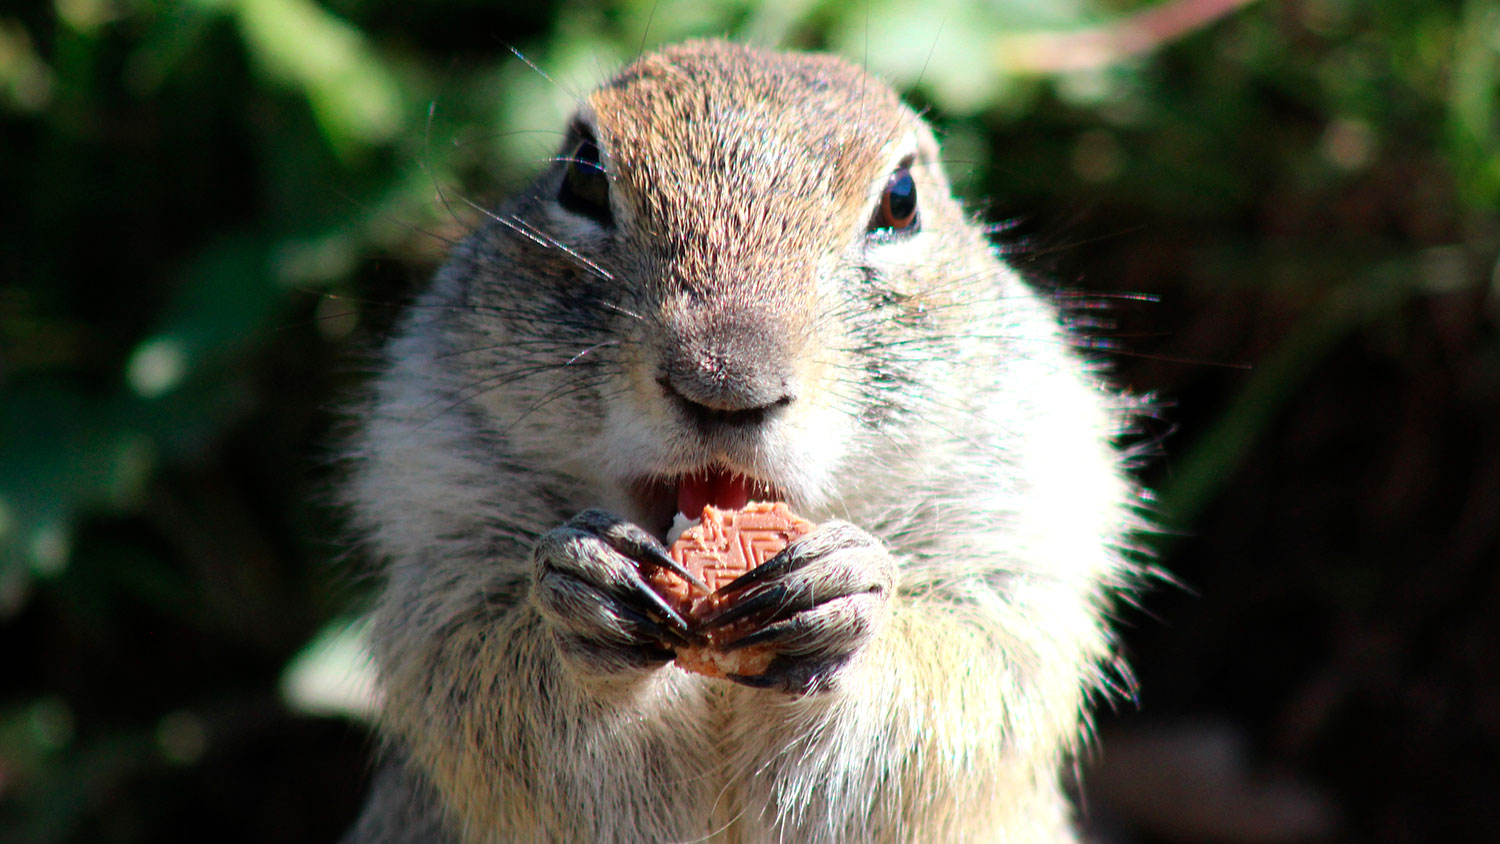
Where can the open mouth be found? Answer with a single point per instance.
(663, 498)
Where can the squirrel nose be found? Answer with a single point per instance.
(736, 370)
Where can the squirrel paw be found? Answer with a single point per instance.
(586, 584)
(814, 605)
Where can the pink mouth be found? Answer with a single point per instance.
(688, 494)
(717, 487)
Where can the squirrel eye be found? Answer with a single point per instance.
(898, 204)
(585, 185)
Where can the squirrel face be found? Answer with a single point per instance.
(725, 285)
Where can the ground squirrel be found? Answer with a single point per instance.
(744, 276)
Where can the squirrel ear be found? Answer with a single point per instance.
(585, 185)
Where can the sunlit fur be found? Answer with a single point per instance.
(939, 406)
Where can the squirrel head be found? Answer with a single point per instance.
(743, 274)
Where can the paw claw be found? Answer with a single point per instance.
(641, 593)
(771, 633)
(634, 542)
(777, 598)
(772, 568)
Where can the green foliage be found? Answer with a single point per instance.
(204, 198)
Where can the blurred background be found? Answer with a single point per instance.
(1279, 218)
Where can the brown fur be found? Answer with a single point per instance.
(942, 428)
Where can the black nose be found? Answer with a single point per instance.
(730, 370)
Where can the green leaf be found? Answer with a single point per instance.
(356, 99)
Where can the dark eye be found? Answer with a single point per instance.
(585, 186)
(897, 211)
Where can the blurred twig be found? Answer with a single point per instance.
(1110, 43)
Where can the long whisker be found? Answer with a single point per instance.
(541, 238)
(577, 100)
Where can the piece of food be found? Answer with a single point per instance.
(725, 544)
(722, 546)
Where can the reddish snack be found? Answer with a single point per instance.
(722, 546)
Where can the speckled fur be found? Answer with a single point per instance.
(943, 410)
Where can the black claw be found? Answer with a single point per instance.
(644, 594)
(771, 633)
(777, 565)
(757, 681)
(643, 625)
(773, 598)
(633, 542)
(653, 553)
(794, 677)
